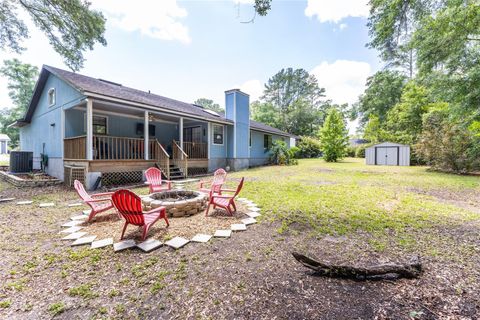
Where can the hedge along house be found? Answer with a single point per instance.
(90, 128)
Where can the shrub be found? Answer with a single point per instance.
(351, 151)
(280, 154)
(334, 136)
(360, 151)
(309, 148)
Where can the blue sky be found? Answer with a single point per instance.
(191, 49)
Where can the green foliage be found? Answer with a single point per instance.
(291, 102)
(71, 26)
(262, 6)
(84, 291)
(360, 151)
(280, 155)
(309, 147)
(4, 304)
(208, 104)
(56, 308)
(374, 130)
(334, 136)
(21, 79)
(383, 91)
(447, 145)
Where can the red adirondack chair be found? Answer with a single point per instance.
(219, 178)
(98, 202)
(223, 201)
(154, 180)
(130, 207)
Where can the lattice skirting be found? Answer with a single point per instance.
(121, 178)
(73, 173)
(196, 171)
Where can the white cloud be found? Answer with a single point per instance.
(343, 26)
(244, 1)
(254, 88)
(155, 19)
(343, 80)
(336, 10)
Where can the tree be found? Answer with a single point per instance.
(289, 90)
(383, 91)
(374, 130)
(70, 26)
(208, 104)
(404, 122)
(334, 136)
(265, 112)
(21, 82)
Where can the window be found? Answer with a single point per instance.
(51, 97)
(217, 134)
(267, 142)
(250, 139)
(99, 125)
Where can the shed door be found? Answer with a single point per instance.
(387, 156)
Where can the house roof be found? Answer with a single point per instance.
(108, 89)
(4, 137)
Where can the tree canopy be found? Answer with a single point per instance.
(334, 136)
(21, 82)
(208, 104)
(70, 26)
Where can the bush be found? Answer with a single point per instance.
(360, 151)
(351, 151)
(294, 152)
(281, 155)
(309, 148)
(447, 146)
(334, 136)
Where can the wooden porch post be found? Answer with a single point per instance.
(180, 128)
(146, 136)
(89, 143)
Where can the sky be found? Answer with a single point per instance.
(198, 49)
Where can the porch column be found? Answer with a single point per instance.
(146, 135)
(180, 134)
(89, 143)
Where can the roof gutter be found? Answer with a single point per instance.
(150, 107)
(272, 132)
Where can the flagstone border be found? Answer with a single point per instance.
(130, 243)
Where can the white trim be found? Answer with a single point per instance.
(89, 131)
(272, 133)
(150, 107)
(208, 139)
(180, 133)
(51, 104)
(122, 115)
(62, 131)
(146, 135)
(223, 134)
(235, 124)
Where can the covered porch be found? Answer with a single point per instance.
(104, 137)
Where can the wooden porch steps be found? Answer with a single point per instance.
(176, 173)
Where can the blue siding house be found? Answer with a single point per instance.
(91, 128)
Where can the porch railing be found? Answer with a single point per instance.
(195, 150)
(179, 158)
(158, 153)
(75, 148)
(118, 148)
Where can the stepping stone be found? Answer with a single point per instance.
(78, 204)
(80, 217)
(47, 204)
(149, 245)
(71, 230)
(238, 227)
(6, 199)
(256, 209)
(72, 223)
(102, 243)
(253, 214)
(177, 242)
(74, 236)
(82, 241)
(86, 212)
(223, 233)
(122, 245)
(24, 202)
(201, 238)
(249, 221)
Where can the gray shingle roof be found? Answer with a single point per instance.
(114, 90)
(110, 89)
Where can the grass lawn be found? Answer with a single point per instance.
(343, 212)
(4, 159)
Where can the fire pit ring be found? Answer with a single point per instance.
(178, 203)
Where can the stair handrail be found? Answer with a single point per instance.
(183, 159)
(162, 156)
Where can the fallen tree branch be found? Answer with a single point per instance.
(389, 271)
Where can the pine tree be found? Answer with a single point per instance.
(334, 136)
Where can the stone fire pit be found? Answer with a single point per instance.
(179, 203)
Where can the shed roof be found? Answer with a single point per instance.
(4, 137)
(389, 144)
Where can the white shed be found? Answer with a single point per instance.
(388, 154)
(4, 141)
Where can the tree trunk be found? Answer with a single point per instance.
(389, 271)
